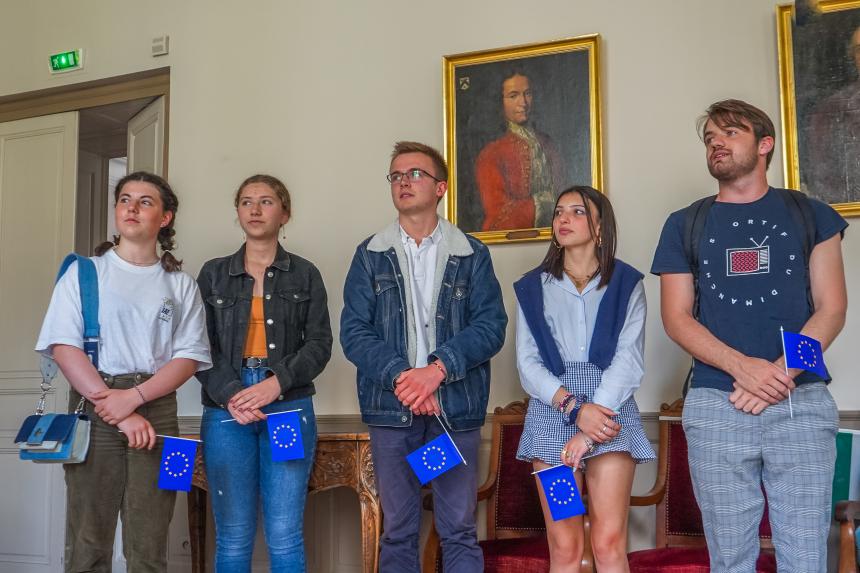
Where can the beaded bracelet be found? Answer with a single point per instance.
(565, 402)
(140, 392)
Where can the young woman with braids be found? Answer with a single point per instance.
(153, 339)
(268, 323)
(580, 344)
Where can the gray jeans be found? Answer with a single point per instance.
(118, 480)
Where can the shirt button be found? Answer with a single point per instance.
(281, 397)
(269, 321)
(582, 348)
(296, 296)
(270, 274)
(272, 345)
(268, 296)
(220, 300)
(403, 418)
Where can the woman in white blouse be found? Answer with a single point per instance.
(580, 345)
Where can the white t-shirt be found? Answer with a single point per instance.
(148, 317)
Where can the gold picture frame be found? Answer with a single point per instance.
(521, 124)
(815, 71)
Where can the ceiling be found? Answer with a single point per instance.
(102, 130)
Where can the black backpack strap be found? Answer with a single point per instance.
(695, 217)
(803, 216)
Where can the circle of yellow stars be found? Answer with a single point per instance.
(184, 464)
(294, 436)
(559, 483)
(430, 466)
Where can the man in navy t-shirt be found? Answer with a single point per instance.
(753, 279)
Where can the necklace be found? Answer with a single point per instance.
(134, 263)
(580, 282)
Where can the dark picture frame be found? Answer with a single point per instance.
(521, 124)
(819, 67)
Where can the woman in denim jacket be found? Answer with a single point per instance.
(268, 322)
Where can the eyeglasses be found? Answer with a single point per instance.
(414, 175)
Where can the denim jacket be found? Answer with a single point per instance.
(377, 329)
(298, 332)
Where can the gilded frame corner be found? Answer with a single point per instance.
(579, 57)
(785, 15)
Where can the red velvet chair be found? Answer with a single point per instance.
(681, 546)
(516, 533)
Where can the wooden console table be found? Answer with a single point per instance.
(342, 460)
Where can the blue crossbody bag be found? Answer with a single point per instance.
(64, 438)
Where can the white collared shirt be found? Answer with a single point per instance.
(421, 261)
(571, 316)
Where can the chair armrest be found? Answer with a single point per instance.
(652, 497)
(848, 511)
(486, 490)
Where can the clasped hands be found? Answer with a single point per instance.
(416, 387)
(117, 408)
(758, 384)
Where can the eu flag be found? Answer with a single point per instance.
(285, 436)
(177, 464)
(803, 352)
(562, 495)
(434, 458)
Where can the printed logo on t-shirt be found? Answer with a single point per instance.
(748, 261)
(166, 312)
(745, 244)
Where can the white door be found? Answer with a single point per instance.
(146, 139)
(37, 213)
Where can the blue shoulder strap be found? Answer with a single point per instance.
(89, 287)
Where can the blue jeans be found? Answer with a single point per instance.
(242, 476)
(454, 498)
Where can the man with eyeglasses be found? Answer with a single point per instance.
(423, 315)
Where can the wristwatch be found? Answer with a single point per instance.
(574, 412)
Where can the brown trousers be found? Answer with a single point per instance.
(116, 480)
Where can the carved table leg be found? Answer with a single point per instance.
(197, 528)
(371, 527)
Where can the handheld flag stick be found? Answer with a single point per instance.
(785, 362)
(441, 423)
(269, 414)
(172, 437)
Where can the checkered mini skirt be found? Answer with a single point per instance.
(545, 433)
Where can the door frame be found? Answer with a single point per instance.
(75, 97)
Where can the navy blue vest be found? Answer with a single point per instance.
(607, 327)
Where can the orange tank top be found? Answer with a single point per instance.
(255, 342)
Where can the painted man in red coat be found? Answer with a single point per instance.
(518, 174)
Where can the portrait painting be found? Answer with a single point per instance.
(819, 53)
(521, 125)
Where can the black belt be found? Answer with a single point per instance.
(254, 362)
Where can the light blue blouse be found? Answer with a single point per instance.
(571, 316)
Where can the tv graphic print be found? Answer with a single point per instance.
(748, 261)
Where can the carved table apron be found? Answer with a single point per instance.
(342, 460)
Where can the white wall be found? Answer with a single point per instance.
(317, 92)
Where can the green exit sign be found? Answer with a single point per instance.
(66, 61)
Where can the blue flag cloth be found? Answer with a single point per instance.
(434, 458)
(177, 464)
(803, 352)
(562, 495)
(285, 436)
